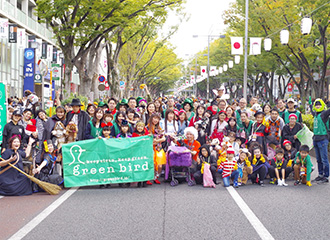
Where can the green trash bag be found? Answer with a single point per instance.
(305, 136)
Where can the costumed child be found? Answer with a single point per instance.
(277, 168)
(260, 166)
(159, 138)
(140, 130)
(289, 155)
(205, 156)
(229, 169)
(46, 171)
(107, 119)
(124, 130)
(106, 130)
(303, 167)
(260, 130)
(234, 144)
(223, 151)
(244, 166)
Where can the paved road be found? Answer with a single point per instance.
(182, 212)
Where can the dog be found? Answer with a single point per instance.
(71, 133)
(59, 132)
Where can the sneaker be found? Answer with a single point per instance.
(279, 182)
(296, 182)
(235, 184)
(261, 183)
(319, 178)
(324, 180)
(156, 181)
(272, 181)
(284, 184)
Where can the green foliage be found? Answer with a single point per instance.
(53, 111)
(83, 99)
(308, 119)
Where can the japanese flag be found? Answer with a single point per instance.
(203, 71)
(213, 71)
(255, 46)
(236, 45)
(192, 79)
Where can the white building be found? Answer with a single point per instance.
(22, 13)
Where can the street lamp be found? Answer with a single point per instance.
(208, 58)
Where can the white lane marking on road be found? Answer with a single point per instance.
(1, 197)
(38, 219)
(255, 222)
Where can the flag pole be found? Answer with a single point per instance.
(246, 48)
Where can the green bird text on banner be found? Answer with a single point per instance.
(104, 161)
(3, 109)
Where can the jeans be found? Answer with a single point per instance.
(233, 175)
(321, 150)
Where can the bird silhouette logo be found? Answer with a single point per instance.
(75, 152)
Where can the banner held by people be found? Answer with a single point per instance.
(106, 161)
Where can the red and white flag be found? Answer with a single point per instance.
(255, 46)
(203, 71)
(192, 79)
(236, 45)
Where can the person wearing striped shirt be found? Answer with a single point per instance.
(229, 169)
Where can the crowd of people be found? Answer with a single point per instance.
(237, 143)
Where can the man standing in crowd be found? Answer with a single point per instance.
(132, 103)
(112, 103)
(242, 108)
(281, 107)
(78, 117)
(320, 139)
(291, 110)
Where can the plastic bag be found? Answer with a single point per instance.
(207, 176)
(305, 136)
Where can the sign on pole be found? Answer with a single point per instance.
(56, 69)
(121, 85)
(37, 78)
(29, 66)
(3, 110)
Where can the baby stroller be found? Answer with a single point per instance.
(178, 160)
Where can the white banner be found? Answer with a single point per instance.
(21, 38)
(255, 46)
(3, 28)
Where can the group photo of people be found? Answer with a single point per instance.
(228, 142)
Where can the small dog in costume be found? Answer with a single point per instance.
(71, 132)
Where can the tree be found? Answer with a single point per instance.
(82, 25)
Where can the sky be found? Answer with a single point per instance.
(205, 19)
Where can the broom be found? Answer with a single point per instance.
(52, 189)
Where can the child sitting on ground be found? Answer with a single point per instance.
(303, 167)
(278, 168)
(289, 153)
(205, 156)
(228, 168)
(244, 166)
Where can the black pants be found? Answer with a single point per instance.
(262, 171)
(199, 176)
(271, 172)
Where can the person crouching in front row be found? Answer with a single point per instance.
(205, 156)
(229, 169)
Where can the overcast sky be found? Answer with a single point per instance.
(205, 18)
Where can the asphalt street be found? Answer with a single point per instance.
(182, 212)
